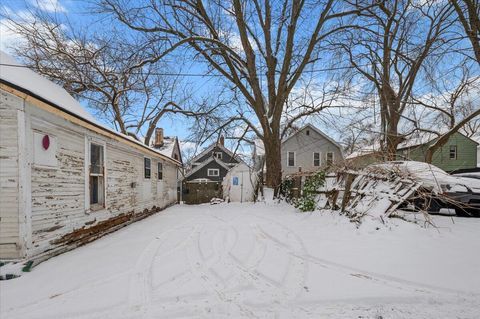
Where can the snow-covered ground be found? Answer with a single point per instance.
(258, 261)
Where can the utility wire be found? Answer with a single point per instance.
(186, 74)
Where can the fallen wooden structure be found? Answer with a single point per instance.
(361, 193)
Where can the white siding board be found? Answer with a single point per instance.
(10, 241)
(55, 197)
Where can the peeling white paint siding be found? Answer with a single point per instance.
(41, 204)
(58, 192)
(11, 245)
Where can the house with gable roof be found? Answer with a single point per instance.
(457, 154)
(212, 164)
(306, 150)
(167, 145)
(65, 178)
(207, 171)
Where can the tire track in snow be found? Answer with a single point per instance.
(390, 281)
(233, 287)
(140, 292)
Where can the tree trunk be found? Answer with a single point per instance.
(392, 139)
(273, 162)
(390, 118)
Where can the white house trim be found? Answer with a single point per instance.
(326, 157)
(316, 130)
(24, 183)
(89, 140)
(294, 159)
(319, 159)
(145, 178)
(202, 164)
(211, 147)
(213, 172)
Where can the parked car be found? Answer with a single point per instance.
(444, 191)
(473, 175)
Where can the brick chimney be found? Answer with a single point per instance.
(158, 137)
(221, 140)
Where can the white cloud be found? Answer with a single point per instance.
(8, 38)
(49, 5)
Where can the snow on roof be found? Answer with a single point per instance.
(20, 76)
(36, 85)
(168, 146)
(476, 139)
(366, 150)
(419, 139)
(212, 146)
(425, 137)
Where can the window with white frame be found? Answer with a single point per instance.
(213, 172)
(291, 159)
(218, 155)
(329, 158)
(97, 176)
(147, 167)
(160, 170)
(316, 159)
(453, 151)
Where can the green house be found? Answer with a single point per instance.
(460, 152)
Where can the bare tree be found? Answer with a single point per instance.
(388, 50)
(261, 48)
(468, 12)
(452, 105)
(119, 79)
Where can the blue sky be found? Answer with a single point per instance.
(79, 14)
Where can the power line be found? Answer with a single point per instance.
(189, 74)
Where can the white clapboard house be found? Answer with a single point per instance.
(65, 179)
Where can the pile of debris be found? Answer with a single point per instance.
(400, 189)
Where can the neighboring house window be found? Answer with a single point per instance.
(329, 158)
(213, 172)
(308, 132)
(218, 155)
(291, 159)
(175, 156)
(160, 170)
(147, 167)
(316, 159)
(453, 151)
(97, 177)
